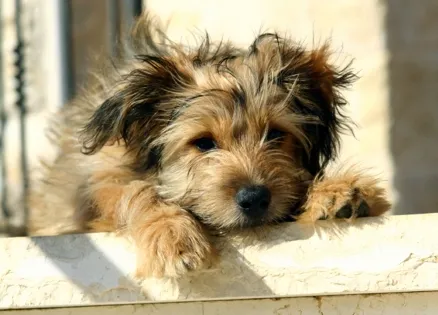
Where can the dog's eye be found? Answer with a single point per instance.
(205, 144)
(274, 134)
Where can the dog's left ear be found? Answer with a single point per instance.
(317, 95)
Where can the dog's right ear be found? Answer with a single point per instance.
(103, 126)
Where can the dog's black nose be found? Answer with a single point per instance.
(253, 200)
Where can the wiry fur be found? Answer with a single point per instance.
(128, 162)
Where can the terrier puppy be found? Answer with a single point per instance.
(177, 141)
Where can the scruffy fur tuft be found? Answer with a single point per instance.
(174, 142)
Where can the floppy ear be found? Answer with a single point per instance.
(146, 93)
(317, 96)
(102, 126)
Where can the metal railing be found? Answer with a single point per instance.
(63, 38)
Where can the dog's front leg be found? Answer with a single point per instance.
(347, 195)
(169, 240)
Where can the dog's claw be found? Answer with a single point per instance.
(363, 210)
(345, 212)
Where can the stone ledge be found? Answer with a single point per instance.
(373, 255)
(418, 303)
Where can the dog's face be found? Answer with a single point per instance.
(232, 136)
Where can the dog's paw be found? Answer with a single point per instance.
(171, 244)
(344, 197)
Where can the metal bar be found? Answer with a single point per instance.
(65, 43)
(21, 104)
(57, 44)
(113, 27)
(121, 16)
(131, 9)
(137, 7)
(3, 121)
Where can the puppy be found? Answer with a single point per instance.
(174, 142)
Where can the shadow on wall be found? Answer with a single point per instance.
(412, 42)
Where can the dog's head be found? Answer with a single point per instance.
(231, 135)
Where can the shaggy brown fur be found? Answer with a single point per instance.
(175, 141)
